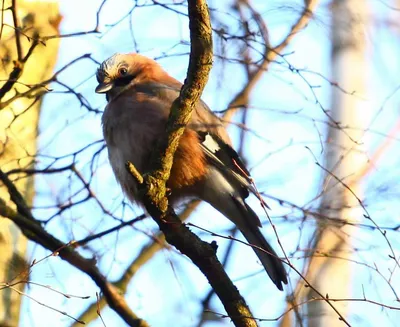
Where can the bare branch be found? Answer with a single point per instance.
(269, 54)
(154, 186)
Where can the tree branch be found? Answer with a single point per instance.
(154, 187)
(146, 254)
(32, 229)
(269, 53)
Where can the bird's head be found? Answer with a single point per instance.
(120, 72)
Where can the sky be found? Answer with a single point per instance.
(287, 125)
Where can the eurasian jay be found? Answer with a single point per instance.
(140, 94)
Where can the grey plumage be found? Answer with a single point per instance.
(140, 95)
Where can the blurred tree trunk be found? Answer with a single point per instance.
(18, 128)
(343, 160)
(329, 270)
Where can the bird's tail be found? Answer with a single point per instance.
(248, 223)
(268, 257)
(224, 197)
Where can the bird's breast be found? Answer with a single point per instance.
(132, 129)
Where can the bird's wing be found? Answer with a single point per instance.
(212, 135)
(203, 119)
(226, 159)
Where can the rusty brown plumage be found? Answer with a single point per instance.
(140, 94)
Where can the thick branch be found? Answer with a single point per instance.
(154, 186)
(35, 232)
(200, 64)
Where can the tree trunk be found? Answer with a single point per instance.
(18, 129)
(329, 269)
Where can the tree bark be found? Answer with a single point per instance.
(329, 269)
(19, 124)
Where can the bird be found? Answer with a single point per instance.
(139, 94)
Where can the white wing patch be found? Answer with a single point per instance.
(211, 148)
(211, 144)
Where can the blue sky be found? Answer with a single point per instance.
(286, 120)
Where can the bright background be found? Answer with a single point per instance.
(286, 124)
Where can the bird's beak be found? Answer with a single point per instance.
(104, 87)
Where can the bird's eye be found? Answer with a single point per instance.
(123, 71)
